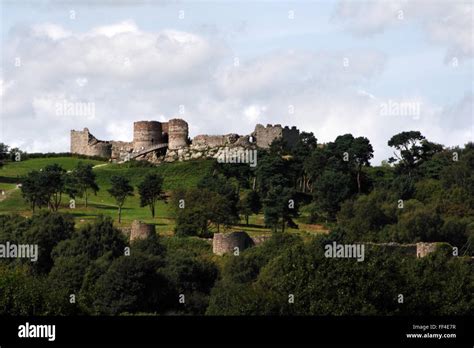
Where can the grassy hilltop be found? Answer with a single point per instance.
(180, 174)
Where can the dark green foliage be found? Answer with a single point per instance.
(151, 190)
(241, 172)
(413, 150)
(33, 190)
(47, 230)
(432, 285)
(273, 171)
(365, 217)
(418, 223)
(131, 284)
(426, 196)
(331, 189)
(213, 203)
(47, 186)
(222, 186)
(93, 240)
(191, 277)
(85, 180)
(280, 207)
(120, 190)
(68, 272)
(250, 204)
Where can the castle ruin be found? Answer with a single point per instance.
(141, 230)
(158, 142)
(235, 242)
(238, 241)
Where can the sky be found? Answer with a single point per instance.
(370, 68)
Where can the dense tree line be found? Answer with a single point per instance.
(425, 192)
(93, 270)
(286, 276)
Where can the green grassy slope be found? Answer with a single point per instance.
(176, 175)
(17, 169)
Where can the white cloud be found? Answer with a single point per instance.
(253, 112)
(129, 74)
(51, 31)
(446, 23)
(115, 29)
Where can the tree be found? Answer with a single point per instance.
(68, 273)
(413, 149)
(251, 204)
(331, 189)
(93, 240)
(408, 145)
(223, 206)
(131, 284)
(222, 211)
(362, 152)
(55, 182)
(348, 154)
(301, 152)
(33, 190)
(191, 213)
(120, 190)
(3, 153)
(242, 172)
(192, 276)
(46, 187)
(280, 207)
(315, 164)
(85, 180)
(272, 171)
(150, 190)
(46, 230)
(196, 210)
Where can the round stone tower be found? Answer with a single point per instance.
(141, 230)
(177, 133)
(146, 134)
(223, 243)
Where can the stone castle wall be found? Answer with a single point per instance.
(291, 135)
(146, 134)
(84, 143)
(227, 242)
(120, 149)
(141, 230)
(393, 248)
(415, 249)
(266, 135)
(423, 249)
(260, 239)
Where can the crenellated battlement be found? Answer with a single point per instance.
(173, 135)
